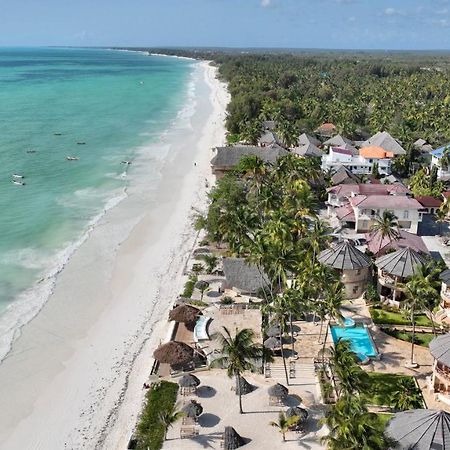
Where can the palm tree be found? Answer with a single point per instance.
(406, 396)
(240, 353)
(441, 216)
(386, 226)
(317, 238)
(284, 423)
(352, 427)
(211, 262)
(169, 417)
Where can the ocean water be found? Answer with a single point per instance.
(118, 104)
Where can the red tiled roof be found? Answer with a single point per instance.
(346, 190)
(342, 151)
(428, 202)
(385, 202)
(406, 240)
(345, 213)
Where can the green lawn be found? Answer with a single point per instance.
(422, 339)
(382, 316)
(384, 418)
(382, 386)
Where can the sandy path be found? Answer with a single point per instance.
(74, 377)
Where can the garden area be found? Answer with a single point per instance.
(422, 339)
(394, 317)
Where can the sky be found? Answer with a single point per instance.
(336, 24)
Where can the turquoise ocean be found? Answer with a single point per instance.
(116, 103)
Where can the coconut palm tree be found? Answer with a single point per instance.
(386, 225)
(169, 417)
(406, 396)
(441, 216)
(210, 261)
(284, 423)
(240, 353)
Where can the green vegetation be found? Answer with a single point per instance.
(424, 183)
(422, 339)
(189, 287)
(151, 431)
(385, 389)
(389, 317)
(384, 418)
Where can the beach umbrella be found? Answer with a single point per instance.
(231, 439)
(202, 285)
(278, 391)
(185, 314)
(420, 429)
(301, 413)
(272, 343)
(274, 331)
(192, 409)
(174, 353)
(188, 381)
(243, 386)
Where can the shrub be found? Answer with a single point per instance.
(226, 301)
(189, 287)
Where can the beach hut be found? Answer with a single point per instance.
(186, 314)
(272, 343)
(302, 415)
(277, 393)
(243, 277)
(274, 331)
(419, 429)
(440, 379)
(188, 384)
(243, 386)
(352, 265)
(192, 410)
(174, 353)
(231, 439)
(395, 268)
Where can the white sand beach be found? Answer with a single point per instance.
(73, 379)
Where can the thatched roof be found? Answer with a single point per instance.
(185, 314)
(344, 256)
(244, 387)
(278, 391)
(272, 343)
(192, 409)
(243, 276)
(343, 175)
(301, 413)
(420, 429)
(308, 150)
(402, 263)
(384, 140)
(230, 156)
(305, 139)
(202, 284)
(188, 380)
(174, 353)
(338, 141)
(231, 439)
(274, 331)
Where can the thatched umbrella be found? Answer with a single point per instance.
(301, 413)
(278, 391)
(231, 439)
(188, 381)
(243, 386)
(272, 343)
(174, 353)
(202, 285)
(192, 409)
(274, 331)
(185, 314)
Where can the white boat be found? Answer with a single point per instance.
(31, 151)
(125, 162)
(19, 183)
(141, 82)
(72, 158)
(17, 176)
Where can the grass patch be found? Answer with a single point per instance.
(150, 431)
(422, 339)
(382, 386)
(384, 418)
(199, 303)
(189, 287)
(381, 316)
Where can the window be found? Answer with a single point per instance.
(355, 289)
(406, 214)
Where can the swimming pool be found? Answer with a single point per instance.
(360, 340)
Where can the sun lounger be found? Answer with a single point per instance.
(200, 330)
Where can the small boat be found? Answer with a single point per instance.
(31, 151)
(57, 134)
(125, 162)
(81, 143)
(72, 158)
(141, 82)
(17, 176)
(19, 183)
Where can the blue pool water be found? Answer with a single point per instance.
(360, 340)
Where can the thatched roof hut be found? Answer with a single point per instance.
(278, 391)
(243, 386)
(301, 413)
(272, 343)
(274, 331)
(245, 277)
(188, 381)
(420, 429)
(185, 314)
(231, 439)
(174, 353)
(192, 409)
(344, 256)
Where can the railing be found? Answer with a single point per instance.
(442, 373)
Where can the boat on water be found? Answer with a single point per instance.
(81, 143)
(18, 182)
(17, 176)
(72, 158)
(31, 151)
(57, 134)
(125, 162)
(141, 82)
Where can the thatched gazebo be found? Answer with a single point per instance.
(301, 413)
(188, 384)
(272, 343)
(419, 429)
(186, 314)
(274, 331)
(192, 409)
(174, 353)
(231, 439)
(277, 393)
(243, 386)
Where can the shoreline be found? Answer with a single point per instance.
(74, 376)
